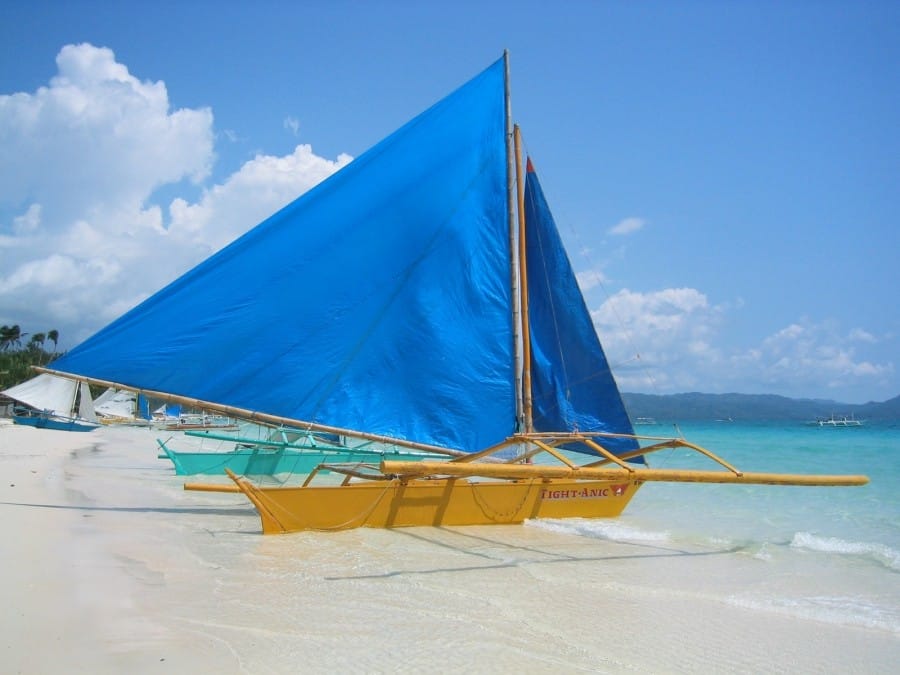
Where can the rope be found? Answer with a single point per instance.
(493, 513)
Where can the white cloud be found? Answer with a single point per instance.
(860, 335)
(261, 187)
(588, 280)
(807, 352)
(649, 338)
(292, 124)
(29, 221)
(80, 157)
(669, 341)
(627, 226)
(96, 129)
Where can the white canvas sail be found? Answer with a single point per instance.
(86, 404)
(46, 392)
(116, 403)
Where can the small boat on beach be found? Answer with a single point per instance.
(193, 421)
(51, 402)
(122, 407)
(424, 300)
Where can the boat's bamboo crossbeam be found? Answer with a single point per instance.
(707, 453)
(487, 452)
(606, 453)
(354, 471)
(546, 448)
(525, 456)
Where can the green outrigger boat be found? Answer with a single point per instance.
(282, 451)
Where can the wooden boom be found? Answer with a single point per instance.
(525, 471)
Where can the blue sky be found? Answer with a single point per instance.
(725, 174)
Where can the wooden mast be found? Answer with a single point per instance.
(523, 289)
(513, 267)
(513, 262)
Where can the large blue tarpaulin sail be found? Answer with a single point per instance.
(378, 301)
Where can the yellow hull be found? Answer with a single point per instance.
(434, 502)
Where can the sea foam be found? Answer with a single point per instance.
(880, 553)
(612, 530)
(846, 611)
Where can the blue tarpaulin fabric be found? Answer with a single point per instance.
(378, 301)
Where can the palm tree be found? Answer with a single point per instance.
(36, 346)
(53, 335)
(11, 335)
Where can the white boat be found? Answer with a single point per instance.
(838, 421)
(51, 402)
(644, 421)
(121, 406)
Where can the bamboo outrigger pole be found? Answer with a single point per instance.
(254, 416)
(536, 471)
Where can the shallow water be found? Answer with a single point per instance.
(693, 578)
(830, 554)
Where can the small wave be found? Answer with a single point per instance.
(612, 530)
(882, 554)
(843, 611)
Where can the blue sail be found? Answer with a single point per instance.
(572, 386)
(143, 407)
(378, 301)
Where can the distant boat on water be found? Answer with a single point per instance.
(644, 421)
(837, 421)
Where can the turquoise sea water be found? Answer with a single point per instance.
(829, 553)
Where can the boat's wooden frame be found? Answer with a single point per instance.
(472, 490)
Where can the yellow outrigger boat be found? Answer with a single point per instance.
(421, 298)
(404, 494)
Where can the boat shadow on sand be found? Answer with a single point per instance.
(203, 511)
(643, 551)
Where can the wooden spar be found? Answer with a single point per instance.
(523, 289)
(211, 487)
(537, 471)
(253, 416)
(511, 224)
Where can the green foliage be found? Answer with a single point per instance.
(16, 360)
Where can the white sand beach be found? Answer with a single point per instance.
(109, 566)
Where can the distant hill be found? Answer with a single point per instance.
(749, 407)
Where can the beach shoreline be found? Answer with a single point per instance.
(110, 567)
